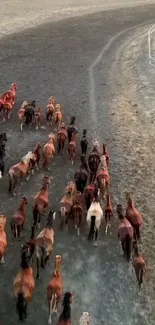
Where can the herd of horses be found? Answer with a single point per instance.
(86, 199)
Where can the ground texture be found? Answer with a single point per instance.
(97, 67)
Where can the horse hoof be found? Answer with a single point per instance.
(95, 244)
(32, 172)
(2, 260)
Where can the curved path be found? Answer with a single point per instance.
(88, 64)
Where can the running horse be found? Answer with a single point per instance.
(61, 138)
(81, 176)
(17, 172)
(65, 316)
(21, 113)
(103, 180)
(18, 220)
(138, 265)
(94, 161)
(72, 148)
(36, 152)
(7, 101)
(66, 204)
(133, 216)
(48, 151)
(94, 217)
(44, 243)
(37, 116)
(41, 201)
(23, 285)
(88, 194)
(3, 239)
(3, 140)
(54, 289)
(77, 212)
(125, 233)
(58, 116)
(50, 110)
(108, 212)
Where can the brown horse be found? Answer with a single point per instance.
(50, 110)
(18, 220)
(17, 172)
(66, 204)
(37, 116)
(88, 194)
(23, 285)
(31, 242)
(54, 289)
(81, 176)
(58, 116)
(36, 152)
(125, 233)
(48, 151)
(77, 212)
(103, 180)
(21, 113)
(134, 217)
(44, 243)
(41, 201)
(93, 163)
(61, 138)
(7, 101)
(72, 148)
(3, 239)
(65, 316)
(138, 264)
(108, 212)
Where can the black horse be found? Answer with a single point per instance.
(81, 176)
(29, 112)
(84, 143)
(71, 128)
(3, 140)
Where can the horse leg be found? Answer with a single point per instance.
(2, 261)
(47, 258)
(59, 147)
(78, 223)
(96, 236)
(38, 269)
(62, 147)
(19, 232)
(141, 274)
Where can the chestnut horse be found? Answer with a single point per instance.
(20, 113)
(108, 212)
(50, 110)
(58, 116)
(105, 153)
(125, 233)
(103, 180)
(93, 163)
(77, 212)
(88, 194)
(7, 101)
(48, 151)
(61, 138)
(138, 265)
(81, 176)
(66, 204)
(17, 172)
(134, 217)
(44, 243)
(65, 316)
(23, 285)
(41, 201)
(37, 115)
(36, 152)
(31, 243)
(72, 148)
(3, 239)
(18, 220)
(54, 289)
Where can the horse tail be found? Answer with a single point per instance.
(92, 228)
(128, 247)
(35, 214)
(141, 275)
(11, 180)
(21, 306)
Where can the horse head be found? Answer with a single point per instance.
(3, 137)
(58, 107)
(24, 199)
(46, 180)
(119, 210)
(13, 86)
(51, 137)
(25, 104)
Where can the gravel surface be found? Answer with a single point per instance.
(91, 65)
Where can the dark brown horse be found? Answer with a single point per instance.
(88, 194)
(77, 212)
(84, 143)
(61, 138)
(138, 264)
(81, 176)
(93, 162)
(18, 220)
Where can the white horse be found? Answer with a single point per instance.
(85, 318)
(94, 219)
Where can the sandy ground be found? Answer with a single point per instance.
(57, 58)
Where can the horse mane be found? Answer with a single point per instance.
(27, 157)
(66, 312)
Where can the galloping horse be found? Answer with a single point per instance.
(88, 194)
(41, 201)
(94, 218)
(3, 239)
(108, 212)
(138, 264)
(7, 101)
(20, 113)
(36, 152)
(72, 148)
(31, 242)
(37, 115)
(17, 172)
(81, 175)
(66, 204)
(50, 110)
(18, 220)
(94, 161)
(44, 243)
(65, 316)
(134, 217)
(84, 143)
(61, 138)
(77, 212)
(85, 318)
(103, 180)
(48, 150)
(125, 233)
(23, 285)
(54, 289)
(3, 139)
(58, 115)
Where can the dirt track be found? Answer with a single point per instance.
(55, 59)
